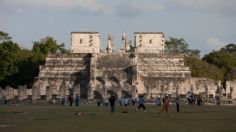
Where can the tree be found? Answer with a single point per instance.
(19, 66)
(200, 68)
(225, 59)
(41, 49)
(4, 37)
(175, 45)
(45, 46)
(8, 55)
(179, 45)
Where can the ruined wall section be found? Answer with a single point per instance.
(231, 89)
(62, 74)
(113, 74)
(200, 85)
(160, 73)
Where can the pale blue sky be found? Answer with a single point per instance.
(205, 24)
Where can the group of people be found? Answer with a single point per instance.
(127, 101)
(193, 98)
(71, 100)
(165, 104)
(141, 104)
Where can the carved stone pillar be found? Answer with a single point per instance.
(35, 91)
(92, 81)
(109, 44)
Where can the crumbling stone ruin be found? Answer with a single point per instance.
(21, 94)
(231, 89)
(135, 69)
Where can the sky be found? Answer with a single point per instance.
(206, 25)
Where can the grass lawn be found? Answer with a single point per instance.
(56, 118)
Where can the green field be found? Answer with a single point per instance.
(56, 118)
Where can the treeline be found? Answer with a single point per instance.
(19, 66)
(217, 65)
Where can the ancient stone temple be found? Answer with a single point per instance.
(138, 68)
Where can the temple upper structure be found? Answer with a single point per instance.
(149, 42)
(85, 42)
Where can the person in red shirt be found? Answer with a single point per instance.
(165, 105)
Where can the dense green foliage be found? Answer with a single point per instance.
(19, 66)
(201, 68)
(198, 67)
(8, 53)
(175, 45)
(224, 59)
(218, 65)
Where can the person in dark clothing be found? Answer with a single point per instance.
(63, 100)
(5, 101)
(112, 101)
(199, 99)
(71, 100)
(177, 103)
(99, 101)
(141, 103)
(77, 100)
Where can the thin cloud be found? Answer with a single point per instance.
(207, 4)
(215, 43)
(84, 6)
(131, 9)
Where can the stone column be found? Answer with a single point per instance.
(123, 41)
(92, 81)
(22, 93)
(35, 91)
(63, 89)
(109, 44)
(49, 92)
(134, 91)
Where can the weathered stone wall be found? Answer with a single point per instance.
(231, 89)
(113, 74)
(205, 86)
(61, 75)
(159, 73)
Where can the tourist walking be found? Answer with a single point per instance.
(177, 103)
(77, 100)
(5, 102)
(141, 103)
(158, 101)
(112, 100)
(199, 99)
(126, 101)
(165, 105)
(71, 100)
(63, 100)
